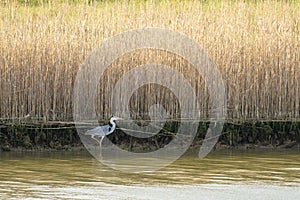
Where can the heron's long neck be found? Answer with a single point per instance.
(113, 124)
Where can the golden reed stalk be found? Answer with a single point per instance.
(255, 46)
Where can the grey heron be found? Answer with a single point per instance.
(102, 131)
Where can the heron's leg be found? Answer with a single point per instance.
(100, 143)
(93, 137)
(101, 140)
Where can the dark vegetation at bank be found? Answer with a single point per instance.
(33, 137)
(246, 135)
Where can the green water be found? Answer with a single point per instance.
(256, 174)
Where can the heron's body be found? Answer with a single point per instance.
(102, 131)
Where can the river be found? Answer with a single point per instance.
(251, 174)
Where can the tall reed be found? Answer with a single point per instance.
(255, 45)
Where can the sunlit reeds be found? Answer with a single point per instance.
(255, 46)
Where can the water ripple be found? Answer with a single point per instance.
(70, 175)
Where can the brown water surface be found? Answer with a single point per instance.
(255, 174)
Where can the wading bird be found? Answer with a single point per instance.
(102, 131)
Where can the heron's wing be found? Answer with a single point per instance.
(99, 131)
(106, 129)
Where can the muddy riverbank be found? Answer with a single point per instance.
(62, 136)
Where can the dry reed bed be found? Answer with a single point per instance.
(255, 46)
